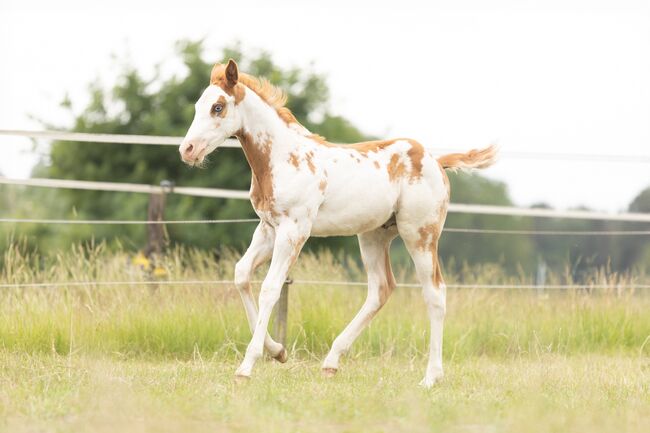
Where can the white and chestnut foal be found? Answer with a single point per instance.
(303, 186)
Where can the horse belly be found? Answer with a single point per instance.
(351, 208)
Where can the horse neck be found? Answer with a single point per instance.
(263, 134)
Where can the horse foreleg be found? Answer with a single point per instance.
(289, 239)
(259, 251)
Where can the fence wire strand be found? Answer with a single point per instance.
(124, 222)
(234, 143)
(255, 220)
(174, 141)
(244, 195)
(319, 283)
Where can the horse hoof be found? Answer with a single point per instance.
(329, 371)
(241, 379)
(282, 357)
(428, 383)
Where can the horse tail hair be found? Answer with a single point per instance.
(475, 158)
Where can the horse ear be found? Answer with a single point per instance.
(232, 73)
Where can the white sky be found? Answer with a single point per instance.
(557, 76)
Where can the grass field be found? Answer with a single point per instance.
(161, 358)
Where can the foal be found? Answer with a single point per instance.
(303, 186)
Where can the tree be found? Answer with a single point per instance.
(137, 105)
(635, 252)
(157, 106)
(481, 248)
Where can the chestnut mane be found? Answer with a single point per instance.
(272, 95)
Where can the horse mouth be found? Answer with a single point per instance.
(197, 159)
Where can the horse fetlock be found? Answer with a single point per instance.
(269, 295)
(282, 356)
(431, 379)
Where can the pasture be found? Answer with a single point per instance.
(161, 357)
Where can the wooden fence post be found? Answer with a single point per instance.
(157, 233)
(280, 327)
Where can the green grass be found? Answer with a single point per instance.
(142, 358)
(374, 394)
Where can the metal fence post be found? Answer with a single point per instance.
(280, 327)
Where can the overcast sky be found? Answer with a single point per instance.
(551, 76)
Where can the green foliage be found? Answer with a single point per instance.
(160, 105)
(457, 248)
(636, 251)
(157, 106)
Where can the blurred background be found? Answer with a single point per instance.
(565, 82)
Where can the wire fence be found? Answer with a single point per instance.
(125, 222)
(169, 188)
(255, 220)
(127, 187)
(318, 283)
(233, 143)
(244, 195)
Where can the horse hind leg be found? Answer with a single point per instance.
(421, 241)
(374, 247)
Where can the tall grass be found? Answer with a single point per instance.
(185, 322)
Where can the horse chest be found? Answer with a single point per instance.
(285, 191)
(261, 194)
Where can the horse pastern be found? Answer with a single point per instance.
(329, 372)
(429, 382)
(241, 379)
(282, 357)
(243, 372)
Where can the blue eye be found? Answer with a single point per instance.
(217, 108)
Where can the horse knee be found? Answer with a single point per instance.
(242, 275)
(436, 301)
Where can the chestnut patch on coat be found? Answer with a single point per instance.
(415, 154)
(293, 160)
(319, 139)
(387, 286)
(396, 168)
(376, 165)
(428, 241)
(322, 185)
(297, 246)
(258, 155)
(428, 235)
(221, 101)
(363, 147)
(308, 157)
(371, 146)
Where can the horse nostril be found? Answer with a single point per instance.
(189, 148)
